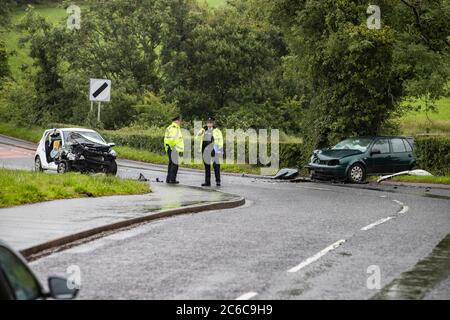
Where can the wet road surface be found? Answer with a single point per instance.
(290, 241)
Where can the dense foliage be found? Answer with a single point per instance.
(310, 68)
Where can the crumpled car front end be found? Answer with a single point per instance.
(85, 155)
(330, 164)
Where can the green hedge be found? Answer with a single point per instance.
(152, 140)
(433, 154)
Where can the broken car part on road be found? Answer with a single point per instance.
(417, 172)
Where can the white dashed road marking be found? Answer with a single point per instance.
(317, 256)
(404, 210)
(376, 223)
(247, 296)
(370, 226)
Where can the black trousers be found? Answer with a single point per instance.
(172, 169)
(216, 166)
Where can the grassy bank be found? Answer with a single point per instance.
(433, 179)
(52, 12)
(32, 134)
(152, 157)
(23, 187)
(434, 122)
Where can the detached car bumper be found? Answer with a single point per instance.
(319, 171)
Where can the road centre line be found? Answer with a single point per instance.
(404, 210)
(247, 296)
(376, 223)
(316, 257)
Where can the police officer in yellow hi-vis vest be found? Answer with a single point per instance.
(210, 139)
(174, 145)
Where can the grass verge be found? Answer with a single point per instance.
(23, 187)
(33, 134)
(152, 157)
(434, 123)
(426, 179)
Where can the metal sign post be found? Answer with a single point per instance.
(99, 108)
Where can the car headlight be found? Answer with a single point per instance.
(333, 162)
(71, 156)
(113, 153)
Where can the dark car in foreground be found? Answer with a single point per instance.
(18, 282)
(356, 158)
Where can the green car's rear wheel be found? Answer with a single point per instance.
(357, 173)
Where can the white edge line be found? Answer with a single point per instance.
(317, 256)
(370, 226)
(247, 296)
(398, 202)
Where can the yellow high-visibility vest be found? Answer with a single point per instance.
(173, 138)
(217, 135)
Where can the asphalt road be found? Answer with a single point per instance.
(290, 241)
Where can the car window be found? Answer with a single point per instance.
(21, 281)
(398, 145)
(360, 144)
(83, 137)
(407, 145)
(382, 145)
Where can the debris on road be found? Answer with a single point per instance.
(142, 178)
(417, 172)
(286, 174)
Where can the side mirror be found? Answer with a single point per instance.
(59, 288)
(375, 151)
(111, 144)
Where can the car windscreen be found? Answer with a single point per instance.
(360, 144)
(84, 137)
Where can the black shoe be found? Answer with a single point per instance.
(173, 182)
(218, 184)
(206, 184)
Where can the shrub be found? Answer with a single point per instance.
(433, 153)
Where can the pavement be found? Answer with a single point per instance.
(28, 226)
(289, 241)
(34, 227)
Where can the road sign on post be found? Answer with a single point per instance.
(100, 91)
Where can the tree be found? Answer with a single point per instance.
(119, 39)
(356, 78)
(46, 42)
(218, 62)
(4, 67)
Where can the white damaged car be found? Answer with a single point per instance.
(75, 149)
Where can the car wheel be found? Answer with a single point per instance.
(63, 167)
(38, 164)
(357, 173)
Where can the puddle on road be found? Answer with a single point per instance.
(425, 275)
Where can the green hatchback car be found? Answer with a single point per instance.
(356, 158)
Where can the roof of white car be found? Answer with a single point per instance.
(76, 129)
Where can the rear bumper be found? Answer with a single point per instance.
(318, 171)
